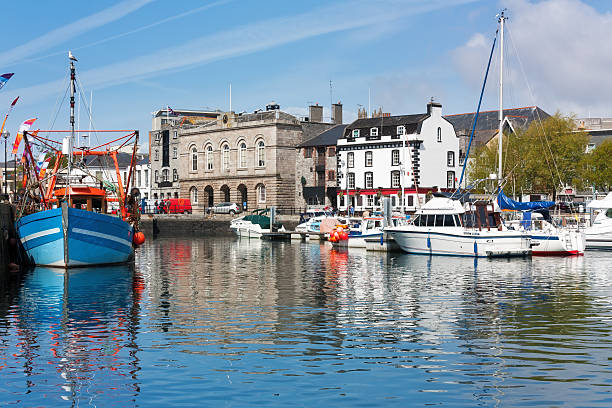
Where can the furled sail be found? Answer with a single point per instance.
(506, 203)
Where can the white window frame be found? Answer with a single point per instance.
(156, 176)
(209, 158)
(355, 133)
(261, 153)
(156, 155)
(261, 193)
(175, 134)
(395, 179)
(350, 160)
(243, 154)
(369, 158)
(395, 161)
(401, 130)
(374, 131)
(368, 180)
(165, 175)
(193, 194)
(174, 152)
(194, 158)
(370, 200)
(450, 158)
(450, 179)
(225, 157)
(350, 180)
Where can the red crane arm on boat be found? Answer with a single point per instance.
(51, 186)
(40, 188)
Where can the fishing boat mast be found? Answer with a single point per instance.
(502, 19)
(70, 140)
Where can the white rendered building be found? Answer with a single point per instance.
(397, 156)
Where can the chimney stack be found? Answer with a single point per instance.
(337, 113)
(316, 113)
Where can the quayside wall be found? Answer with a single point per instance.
(183, 225)
(7, 235)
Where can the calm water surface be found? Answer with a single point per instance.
(224, 322)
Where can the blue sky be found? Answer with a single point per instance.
(141, 55)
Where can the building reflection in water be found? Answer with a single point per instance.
(70, 328)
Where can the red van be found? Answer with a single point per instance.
(177, 206)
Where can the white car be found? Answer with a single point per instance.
(224, 208)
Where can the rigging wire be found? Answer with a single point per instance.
(542, 133)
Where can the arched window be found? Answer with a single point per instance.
(243, 154)
(225, 157)
(194, 159)
(209, 157)
(165, 174)
(261, 193)
(261, 154)
(193, 194)
(439, 135)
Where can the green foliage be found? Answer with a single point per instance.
(544, 157)
(596, 167)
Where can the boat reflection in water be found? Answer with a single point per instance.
(70, 328)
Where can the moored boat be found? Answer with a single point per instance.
(599, 234)
(69, 226)
(443, 227)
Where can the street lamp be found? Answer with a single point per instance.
(6, 135)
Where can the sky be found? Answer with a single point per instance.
(138, 56)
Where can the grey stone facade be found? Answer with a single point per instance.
(164, 159)
(246, 158)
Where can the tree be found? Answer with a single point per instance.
(596, 168)
(547, 155)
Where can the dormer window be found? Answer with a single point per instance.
(374, 131)
(401, 130)
(356, 133)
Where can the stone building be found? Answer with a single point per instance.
(164, 145)
(244, 158)
(316, 167)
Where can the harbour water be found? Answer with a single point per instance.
(225, 322)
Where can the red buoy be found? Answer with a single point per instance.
(139, 238)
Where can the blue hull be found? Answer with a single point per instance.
(70, 237)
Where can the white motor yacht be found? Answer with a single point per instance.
(599, 234)
(443, 227)
(253, 225)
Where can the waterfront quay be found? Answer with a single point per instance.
(221, 321)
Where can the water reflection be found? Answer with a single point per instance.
(66, 329)
(248, 322)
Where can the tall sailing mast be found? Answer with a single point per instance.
(500, 134)
(71, 139)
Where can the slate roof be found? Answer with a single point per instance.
(328, 137)
(489, 120)
(123, 159)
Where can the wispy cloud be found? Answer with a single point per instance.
(251, 38)
(62, 34)
(139, 29)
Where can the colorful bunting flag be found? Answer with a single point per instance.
(4, 78)
(25, 126)
(43, 168)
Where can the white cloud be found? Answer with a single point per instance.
(62, 34)
(248, 39)
(565, 49)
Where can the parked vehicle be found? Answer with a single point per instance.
(224, 208)
(177, 206)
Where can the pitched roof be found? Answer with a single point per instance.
(328, 137)
(123, 159)
(388, 121)
(488, 120)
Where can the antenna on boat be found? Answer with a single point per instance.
(501, 18)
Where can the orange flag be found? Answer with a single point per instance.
(25, 126)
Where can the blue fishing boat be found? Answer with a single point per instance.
(70, 226)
